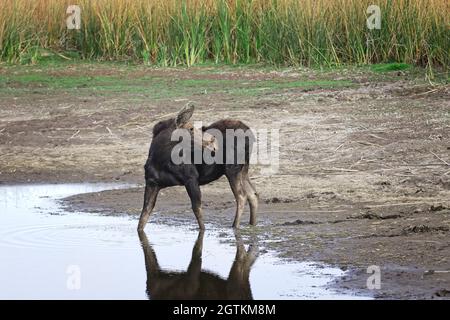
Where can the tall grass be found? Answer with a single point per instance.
(172, 32)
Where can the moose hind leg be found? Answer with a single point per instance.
(237, 187)
(150, 195)
(252, 197)
(193, 190)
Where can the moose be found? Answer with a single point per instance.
(162, 172)
(195, 283)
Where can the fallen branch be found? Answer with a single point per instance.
(340, 169)
(424, 93)
(366, 143)
(378, 137)
(339, 146)
(434, 154)
(430, 272)
(74, 135)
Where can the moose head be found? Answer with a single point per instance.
(200, 138)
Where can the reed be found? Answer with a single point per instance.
(188, 32)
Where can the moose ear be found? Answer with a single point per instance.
(184, 115)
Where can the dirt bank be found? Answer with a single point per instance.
(364, 157)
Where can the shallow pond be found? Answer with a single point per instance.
(47, 253)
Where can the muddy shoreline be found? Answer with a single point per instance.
(363, 177)
(337, 237)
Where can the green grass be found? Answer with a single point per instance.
(388, 67)
(273, 86)
(17, 80)
(57, 82)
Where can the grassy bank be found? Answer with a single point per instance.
(140, 82)
(174, 32)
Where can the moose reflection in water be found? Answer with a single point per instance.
(195, 283)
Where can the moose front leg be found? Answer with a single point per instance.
(151, 262)
(150, 195)
(193, 190)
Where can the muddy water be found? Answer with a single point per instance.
(46, 253)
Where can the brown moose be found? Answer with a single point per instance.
(161, 171)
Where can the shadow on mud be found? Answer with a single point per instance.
(194, 283)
